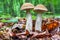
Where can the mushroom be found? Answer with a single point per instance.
(28, 7)
(39, 9)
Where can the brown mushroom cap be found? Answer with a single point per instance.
(27, 6)
(40, 8)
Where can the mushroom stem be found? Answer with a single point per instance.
(29, 22)
(38, 22)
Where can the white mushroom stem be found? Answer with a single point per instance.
(38, 22)
(29, 22)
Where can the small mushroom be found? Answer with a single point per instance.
(28, 7)
(39, 9)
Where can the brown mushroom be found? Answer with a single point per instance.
(28, 7)
(39, 9)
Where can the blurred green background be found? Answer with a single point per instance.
(11, 8)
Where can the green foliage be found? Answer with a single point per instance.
(11, 8)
